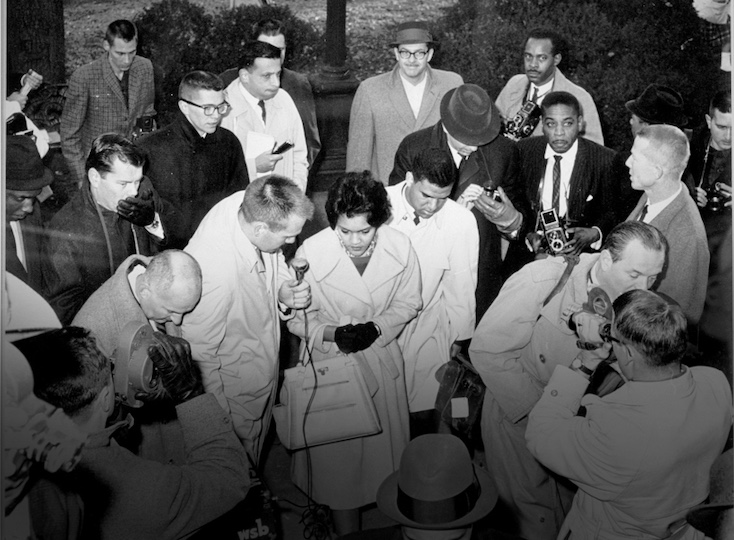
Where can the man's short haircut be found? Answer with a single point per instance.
(268, 27)
(628, 231)
(254, 50)
(721, 102)
(110, 146)
(435, 166)
(654, 326)
(122, 29)
(558, 44)
(273, 200)
(560, 98)
(162, 270)
(69, 370)
(668, 148)
(358, 193)
(197, 80)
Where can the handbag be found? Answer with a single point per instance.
(460, 394)
(324, 402)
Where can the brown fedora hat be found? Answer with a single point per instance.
(659, 104)
(412, 32)
(470, 116)
(24, 169)
(437, 487)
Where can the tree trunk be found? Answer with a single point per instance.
(35, 30)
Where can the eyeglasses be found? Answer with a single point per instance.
(222, 108)
(405, 54)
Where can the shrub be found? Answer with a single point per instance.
(617, 48)
(178, 37)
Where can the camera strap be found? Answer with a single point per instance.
(571, 261)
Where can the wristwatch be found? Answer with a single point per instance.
(578, 365)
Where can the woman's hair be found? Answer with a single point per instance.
(358, 193)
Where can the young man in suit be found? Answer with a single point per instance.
(568, 173)
(107, 95)
(390, 106)
(468, 133)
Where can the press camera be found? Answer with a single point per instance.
(716, 198)
(524, 122)
(555, 232)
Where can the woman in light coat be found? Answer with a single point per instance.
(366, 274)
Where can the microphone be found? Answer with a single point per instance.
(300, 266)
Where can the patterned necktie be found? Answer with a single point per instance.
(557, 184)
(534, 99)
(643, 214)
(261, 104)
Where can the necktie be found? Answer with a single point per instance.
(261, 104)
(534, 99)
(416, 220)
(643, 214)
(557, 184)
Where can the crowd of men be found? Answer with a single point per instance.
(545, 257)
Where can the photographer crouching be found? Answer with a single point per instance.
(641, 455)
(112, 493)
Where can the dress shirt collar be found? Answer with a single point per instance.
(653, 209)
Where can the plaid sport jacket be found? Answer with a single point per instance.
(95, 105)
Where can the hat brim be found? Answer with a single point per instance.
(458, 131)
(412, 42)
(681, 121)
(387, 502)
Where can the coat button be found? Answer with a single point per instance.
(554, 393)
(542, 359)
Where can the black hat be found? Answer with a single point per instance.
(437, 487)
(469, 115)
(412, 32)
(659, 104)
(24, 169)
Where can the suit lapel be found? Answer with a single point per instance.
(133, 88)
(635, 214)
(338, 272)
(578, 181)
(430, 95)
(112, 82)
(399, 101)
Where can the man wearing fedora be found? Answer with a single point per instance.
(659, 156)
(657, 104)
(437, 493)
(25, 244)
(468, 132)
(568, 173)
(389, 106)
(543, 52)
(641, 455)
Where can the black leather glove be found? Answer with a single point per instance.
(344, 337)
(366, 333)
(355, 337)
(179, 378)
(139, 210)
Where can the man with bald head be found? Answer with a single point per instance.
(158, 291)
(659, 157)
